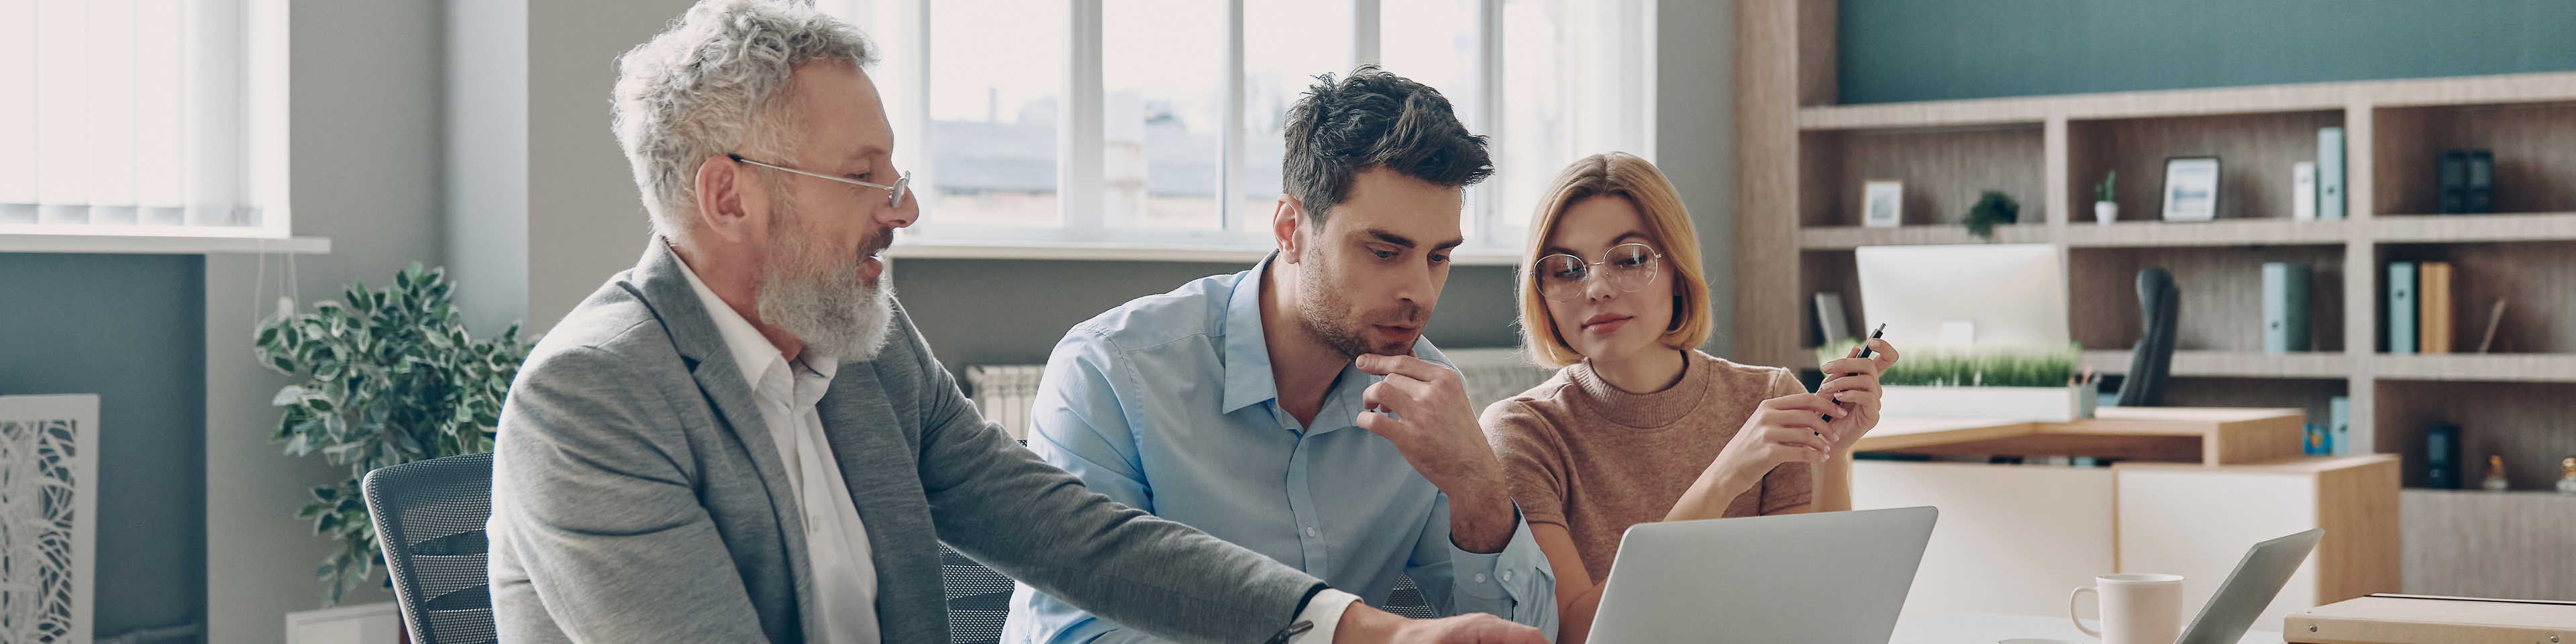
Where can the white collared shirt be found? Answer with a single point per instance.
(836, 545)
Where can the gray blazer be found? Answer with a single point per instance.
(636, 497)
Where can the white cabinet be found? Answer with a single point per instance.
(378, 623)
(2016, 539)
(2011, 539)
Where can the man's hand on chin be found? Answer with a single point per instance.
(1422, 408)
(1364, 625)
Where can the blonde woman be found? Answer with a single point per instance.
(1638, 426)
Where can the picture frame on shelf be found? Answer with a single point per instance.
(2191, 189)
(1882, 203)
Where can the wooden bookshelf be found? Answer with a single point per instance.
(1801, 160)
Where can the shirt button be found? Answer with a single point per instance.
(1507, 575)
(1312, 532)
(1480, 578)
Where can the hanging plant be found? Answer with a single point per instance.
(390, 377)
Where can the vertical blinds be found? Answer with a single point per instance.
(136, 116)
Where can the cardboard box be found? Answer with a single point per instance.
(2426, 619)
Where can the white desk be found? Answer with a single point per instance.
(1989, 628)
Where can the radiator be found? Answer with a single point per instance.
(1005, 393)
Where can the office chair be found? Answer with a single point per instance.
(1407, 600)
(429, 516)
(978, 598)
(2161, 302)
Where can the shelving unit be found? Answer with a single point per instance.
(1801, 159)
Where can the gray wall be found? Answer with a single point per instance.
(1695, 140)
(124, 327)
(487, 160)
(976, 311)
(585, 220)
(366, 127)
(1908, 50)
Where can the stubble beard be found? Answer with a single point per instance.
(1331, 320)
(816, 295)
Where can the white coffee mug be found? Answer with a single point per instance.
(2137, 608)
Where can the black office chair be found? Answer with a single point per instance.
(2161, 303)
(978, 598)
(429, 516)
(1407, 600)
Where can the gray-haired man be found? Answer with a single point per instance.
(743, 439)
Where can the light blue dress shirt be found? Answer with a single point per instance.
(1167, 404)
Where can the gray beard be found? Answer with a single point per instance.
(815, 295)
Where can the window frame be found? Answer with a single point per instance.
(1622, 32)
(264, 118)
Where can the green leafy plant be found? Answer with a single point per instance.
(1992, 208)
(1984, 367)
(389, 377)
(2103, 191)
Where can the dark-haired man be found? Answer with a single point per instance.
(1294, 408)
(744, 439)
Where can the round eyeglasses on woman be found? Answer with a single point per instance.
(894, 193)
(1629, 267)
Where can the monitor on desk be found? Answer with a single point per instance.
(1958, 297)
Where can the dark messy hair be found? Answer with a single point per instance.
(1374, 119)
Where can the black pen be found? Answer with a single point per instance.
(1864, 353)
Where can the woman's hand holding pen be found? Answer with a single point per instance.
(1852, 386)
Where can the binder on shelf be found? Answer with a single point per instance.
(2339, 425)
(2330, 173)
(2481, 182)
(2401, 307)
(2452, 178)
(2495, 318)
(2433, 320)
(2285, 307)
(1830, 321)
(2442, 456)
(2303, 191)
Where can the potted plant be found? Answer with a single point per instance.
(388, 377)
(1992, 208)
(2018, 383)
(2105, 208)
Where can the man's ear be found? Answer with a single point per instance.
(1287, 218)
(720, 188)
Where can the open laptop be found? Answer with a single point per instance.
(2257, 579)
(1823, 577)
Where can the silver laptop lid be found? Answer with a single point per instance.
(1823, 577)
(2258, 578)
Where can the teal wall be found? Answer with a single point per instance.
(130, 328)
(1914, 50)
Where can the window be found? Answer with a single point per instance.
(1135, 125)
(143, 117)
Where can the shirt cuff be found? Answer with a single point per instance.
(1494, 576)
(1325, 612)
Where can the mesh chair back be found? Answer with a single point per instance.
(978, 598)
(429, 516)
(1407, 600)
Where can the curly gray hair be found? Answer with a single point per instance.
(714, 84)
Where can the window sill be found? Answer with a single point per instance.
(12, 242)
(1127, 253)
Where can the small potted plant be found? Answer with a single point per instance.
(2105, 208)
(1992, 208)
(385, 377)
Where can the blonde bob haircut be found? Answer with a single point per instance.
(1622, 175)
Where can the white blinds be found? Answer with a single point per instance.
(137, 122)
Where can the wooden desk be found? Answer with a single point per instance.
(1986, 628)
(2206, 435)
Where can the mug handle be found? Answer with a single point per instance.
(2070, 609)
